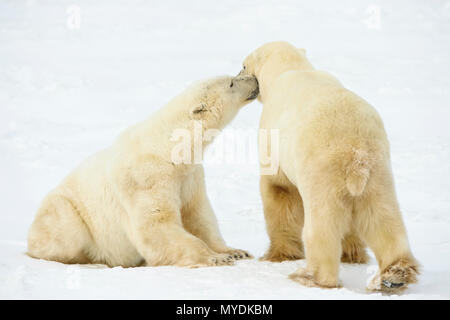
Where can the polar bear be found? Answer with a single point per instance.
(334, 179)
(131, 205)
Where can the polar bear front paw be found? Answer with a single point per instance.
(221, 260)
(307, 279)
(238, 254)
(209, 260)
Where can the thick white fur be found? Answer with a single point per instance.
(334, 180)
(130, 205)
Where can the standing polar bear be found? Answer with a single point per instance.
(334, 179)
(131, 205)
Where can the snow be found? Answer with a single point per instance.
(69, 86)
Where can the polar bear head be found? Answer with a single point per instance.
(218, 100)
(272, 59)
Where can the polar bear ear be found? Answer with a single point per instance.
(198, 110)
(302, 51)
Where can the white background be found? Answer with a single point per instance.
(69, 86)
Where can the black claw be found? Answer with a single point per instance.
(389, 284)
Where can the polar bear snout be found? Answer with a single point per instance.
(247, 85)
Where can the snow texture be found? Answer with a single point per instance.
(74, 74)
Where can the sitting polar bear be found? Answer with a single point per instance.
(334, 179)
(131, 205)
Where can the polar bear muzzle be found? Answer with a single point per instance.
(248, 84)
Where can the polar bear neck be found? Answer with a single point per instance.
(274, 68)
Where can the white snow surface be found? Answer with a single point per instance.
(68, 89)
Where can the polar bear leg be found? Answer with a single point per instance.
(354, 249)
(160, 238)
(326, 223)
(283, 212)
(58, 233)
(199, 219)
(386, 235)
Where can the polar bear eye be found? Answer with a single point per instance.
(243, 67)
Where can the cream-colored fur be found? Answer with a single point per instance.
(130, 205)
(334, 178)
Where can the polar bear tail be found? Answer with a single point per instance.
(358, 172)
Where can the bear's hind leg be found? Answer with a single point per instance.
(327, 221)
(58, 233)
(386, 236)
